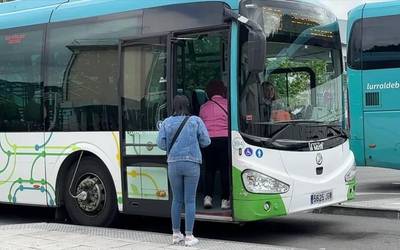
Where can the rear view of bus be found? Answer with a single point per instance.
(292, 149)
(374, 83)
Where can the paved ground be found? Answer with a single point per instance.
(377, 183)
(60, 236)
(378, 194)
(305, 230)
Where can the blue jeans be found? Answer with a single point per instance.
(184, 177)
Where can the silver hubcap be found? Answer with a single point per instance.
(91, 194)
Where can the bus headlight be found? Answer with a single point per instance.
(350, 174)
(255, 182)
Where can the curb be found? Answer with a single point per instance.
(359, 211)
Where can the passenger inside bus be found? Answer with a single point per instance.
(200, 59)
(272, 108)
(214, 113)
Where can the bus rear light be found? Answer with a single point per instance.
(255, 182)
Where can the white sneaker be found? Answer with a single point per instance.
(225, 204)
(177, 238)
(208, 202)
(191, 241)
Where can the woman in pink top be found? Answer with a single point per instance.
(214, 113)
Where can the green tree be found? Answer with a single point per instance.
(289, 86)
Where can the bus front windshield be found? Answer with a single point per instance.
(299, 96)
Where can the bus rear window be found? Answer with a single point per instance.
(380, 43)
(354, 50)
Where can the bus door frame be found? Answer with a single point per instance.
(137, 206)
(156, 207)
(173, 91)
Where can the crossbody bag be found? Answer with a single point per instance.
(178, 132)
(219, 105)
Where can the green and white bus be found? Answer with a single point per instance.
(85, 83)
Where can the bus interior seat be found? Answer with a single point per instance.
(280, 115)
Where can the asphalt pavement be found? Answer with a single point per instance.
(303, 230)
(377, 195)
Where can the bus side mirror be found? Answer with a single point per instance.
(256, 51)
(256, 41)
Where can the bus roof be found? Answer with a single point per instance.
(23, 5)
(374, 10)
(382, 5)
(39, 12)
(19, 5)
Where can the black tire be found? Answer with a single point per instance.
(100, 208)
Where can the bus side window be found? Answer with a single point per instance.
(20, 80)
(82, 71)
(144, 85)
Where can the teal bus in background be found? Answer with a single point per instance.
(374, 83)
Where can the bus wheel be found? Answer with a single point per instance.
(90, 199)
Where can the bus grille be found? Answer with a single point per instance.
(372, 99)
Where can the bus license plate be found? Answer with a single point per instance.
(318, 198)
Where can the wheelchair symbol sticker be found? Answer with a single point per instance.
(248, 152)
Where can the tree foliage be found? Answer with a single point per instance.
(293, 88)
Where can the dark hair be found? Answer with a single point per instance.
(269, 84)
(216, 87)
(181, 105)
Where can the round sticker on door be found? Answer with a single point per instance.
(248, 152)
(259, 153)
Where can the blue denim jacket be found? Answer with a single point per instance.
(187, 146)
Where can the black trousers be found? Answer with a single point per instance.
(217, 158)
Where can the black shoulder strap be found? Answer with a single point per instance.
(177, 133)
(219, 105)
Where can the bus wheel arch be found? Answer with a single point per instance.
(93, 176)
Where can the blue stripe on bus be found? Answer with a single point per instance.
(382, 9)
(84, 9)
(30, 17)
(35, 12)
(234, 77)
(21, 5)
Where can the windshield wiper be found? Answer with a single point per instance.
(276, 134)
(339, 130)
(286, 125)
(293, 145)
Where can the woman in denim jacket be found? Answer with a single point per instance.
(184, 159)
